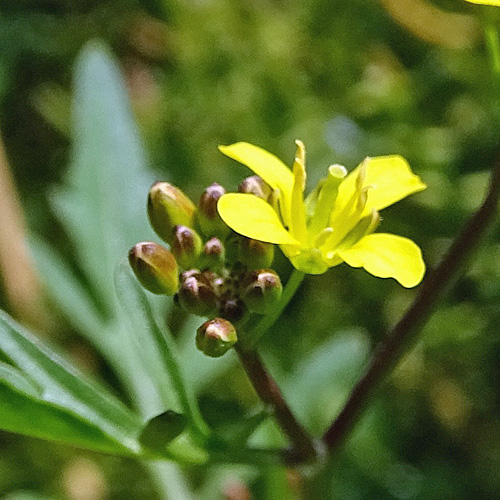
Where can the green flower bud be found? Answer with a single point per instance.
(208, 218)
(196, 295)
(186, 246)
(213, 256)
(216, 337)
(168, 207)
(255, 185)
(255, 254)
(155, 267)
(261, 290)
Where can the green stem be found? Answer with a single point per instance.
(267, 321)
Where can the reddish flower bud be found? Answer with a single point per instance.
(186, 246)
(210, 222)
(261, 290)
(216, 337)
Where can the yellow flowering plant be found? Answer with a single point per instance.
(336, 222)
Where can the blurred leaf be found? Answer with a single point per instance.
(103, 210)
(26, 495)
(107, 180)
(66, 398)
(70, 295)
(9, 375)
(278, 484)
(156, 348)
(246, 426)
(228, 418)
(324, 378)
(148, 340)
(160, 430)
(54, 104)
(452, 325)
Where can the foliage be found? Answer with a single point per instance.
(347, 79)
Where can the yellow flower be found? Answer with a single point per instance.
(485, 2)
(336, 222)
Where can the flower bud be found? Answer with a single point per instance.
(261, 290)
(155, 267)
(186, 246)
(255, 254)
(255, 185)
(216, 337)
(213, 255)
(217, 282)
(168, 207)
(232, 309)
(196, 295)
(208, 217)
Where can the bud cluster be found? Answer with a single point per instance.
(212, 271)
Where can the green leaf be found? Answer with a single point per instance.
(103, 209)
(108, 179)
(66, 398)
(69, 294)
(26, 495)
(21, 412)
(13, 377)
(160, 430)
(324, 378)
(157, 348)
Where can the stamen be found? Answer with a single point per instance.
(326, 199)
(365, 226)
(322, 237)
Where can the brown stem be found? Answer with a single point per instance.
(390, 349)
(270, 394)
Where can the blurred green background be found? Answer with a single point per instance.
(350, 78)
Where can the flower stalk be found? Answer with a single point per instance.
(294, 281)
(268, 391)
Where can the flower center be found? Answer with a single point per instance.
(310, 261)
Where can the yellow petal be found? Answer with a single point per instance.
(254, 218)
(387, 256)
(389, 178)
(267, 166)
(485, 2)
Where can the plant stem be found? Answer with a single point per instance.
(391, 348)
(268, 320)
(270, 394)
